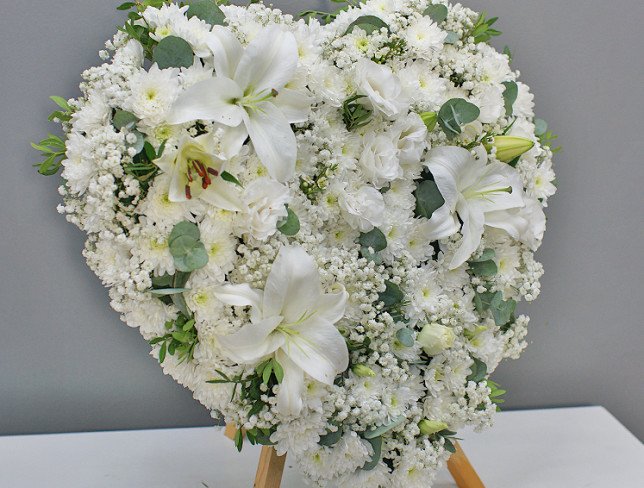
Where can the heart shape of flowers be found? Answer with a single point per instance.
(322, 230)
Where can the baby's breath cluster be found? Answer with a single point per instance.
(323, 231)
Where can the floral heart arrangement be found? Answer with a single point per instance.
(323, 230)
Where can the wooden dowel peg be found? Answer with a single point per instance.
(462, 470)
(270, 469)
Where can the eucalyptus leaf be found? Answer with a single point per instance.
(374, 239)
(173, 52)
(184, 228)
(331, 438)
(376, 444)
(139, 143)
(208, 11)
(455, 113)
(124, 119)
(479, 370)
(368, 23)
(502, 310)
(452, 38)
(290, 226)
(383, 429)
(392, 296)
(428, 199)
(405, 337)
(438, 12)
(540, 127)
(195, 258)
(510, 96)
(484, 266)
(483, 301)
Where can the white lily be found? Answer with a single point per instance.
(472, 188)
(195, 172)
(293, 320)
(248, 95)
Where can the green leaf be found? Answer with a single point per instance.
(452, 38)
(374, 239)
(331, 438)
(226, 176)
(455, 113)
(163, 351)
(126, 6)
(354, 114)
(290, 226)
(449, 446)
(169, 291)
(279, 371)
(368, 23)
(484, 266)
(376, 444)
(208, 11)
(393, 295)
(184, 228)
(192, 260)
(428, 199)
(502, 310)
(173, 52)
(139, 143)
(540, 127)
(124, 120)
(438, 13)
(239, 440)
(267, 373)
(405, 337)
(383, 429)
(510, 96)
(62, 103)
(430, 119)
(479, 370)
(483, 301)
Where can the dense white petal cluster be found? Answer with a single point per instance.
(301, 224)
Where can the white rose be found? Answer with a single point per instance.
(490, 100)
(363, 209)
(381, 86)
(379, 160)
(435, 338)
(411, 133)
(265, 200)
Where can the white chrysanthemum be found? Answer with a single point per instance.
(93, 115)
(425, 37)
(158, 208)
(153, 93)
(489, 99)
(424, 86)
(524, 104)
(79, 168)
(220, 245)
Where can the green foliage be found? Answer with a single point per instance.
(510, 95)
(452, 38)
(454, 114)
(354, 113)
(331, 438)
(186, 248)
(52, 149)
(484, 266)
(138, 32)
(496, 393)
(383, 429)
(327, 17)
(180, 340)
(438, 12)
(289, 226)
(206, 10)
(173, 52)
(479, 371)
(405, 337)
(392, 296)
(162, 286)
(65, 112)
(430, 119)
(482, 30)
(373, 239)
(123, 119)
(448, 439)
(226, 176)
(376, 444)
(502, 310)
(428, 199)
(368, 23)
(546, 137)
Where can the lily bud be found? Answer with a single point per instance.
(435, 338)
(429, 427)
(508, 147)
(430, 119)
(363, 371)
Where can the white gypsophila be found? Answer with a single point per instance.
(309, 243)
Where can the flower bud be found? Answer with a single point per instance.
(435, 338)
(429, 427)
(430, 119)
(508, 147)
(363, 371)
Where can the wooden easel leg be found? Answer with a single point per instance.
(270, 468)
(462, 471)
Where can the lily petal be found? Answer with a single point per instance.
(294, 105)
(293, 285)
(223, 195)
(209, 100)
(239, 295)
(226, 50)
(473, 222)
(446, 165)
(331, 306)
(232, 140)
(273, 140)
(289, 397)
(442, 224)
(253, 341)
(269, 61)
(319, 349)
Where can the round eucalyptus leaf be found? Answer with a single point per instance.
(173, 52)
(438, 13)
(368, 23)
(184, 228)
(208, 11)
(405, 337)
(291, 225)
(428, 199)
(374, 239)
(455, 113)
(182, 245)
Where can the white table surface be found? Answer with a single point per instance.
(558, 448)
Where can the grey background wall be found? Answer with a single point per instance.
(68, 364)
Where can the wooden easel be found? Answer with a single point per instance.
(271, 467)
